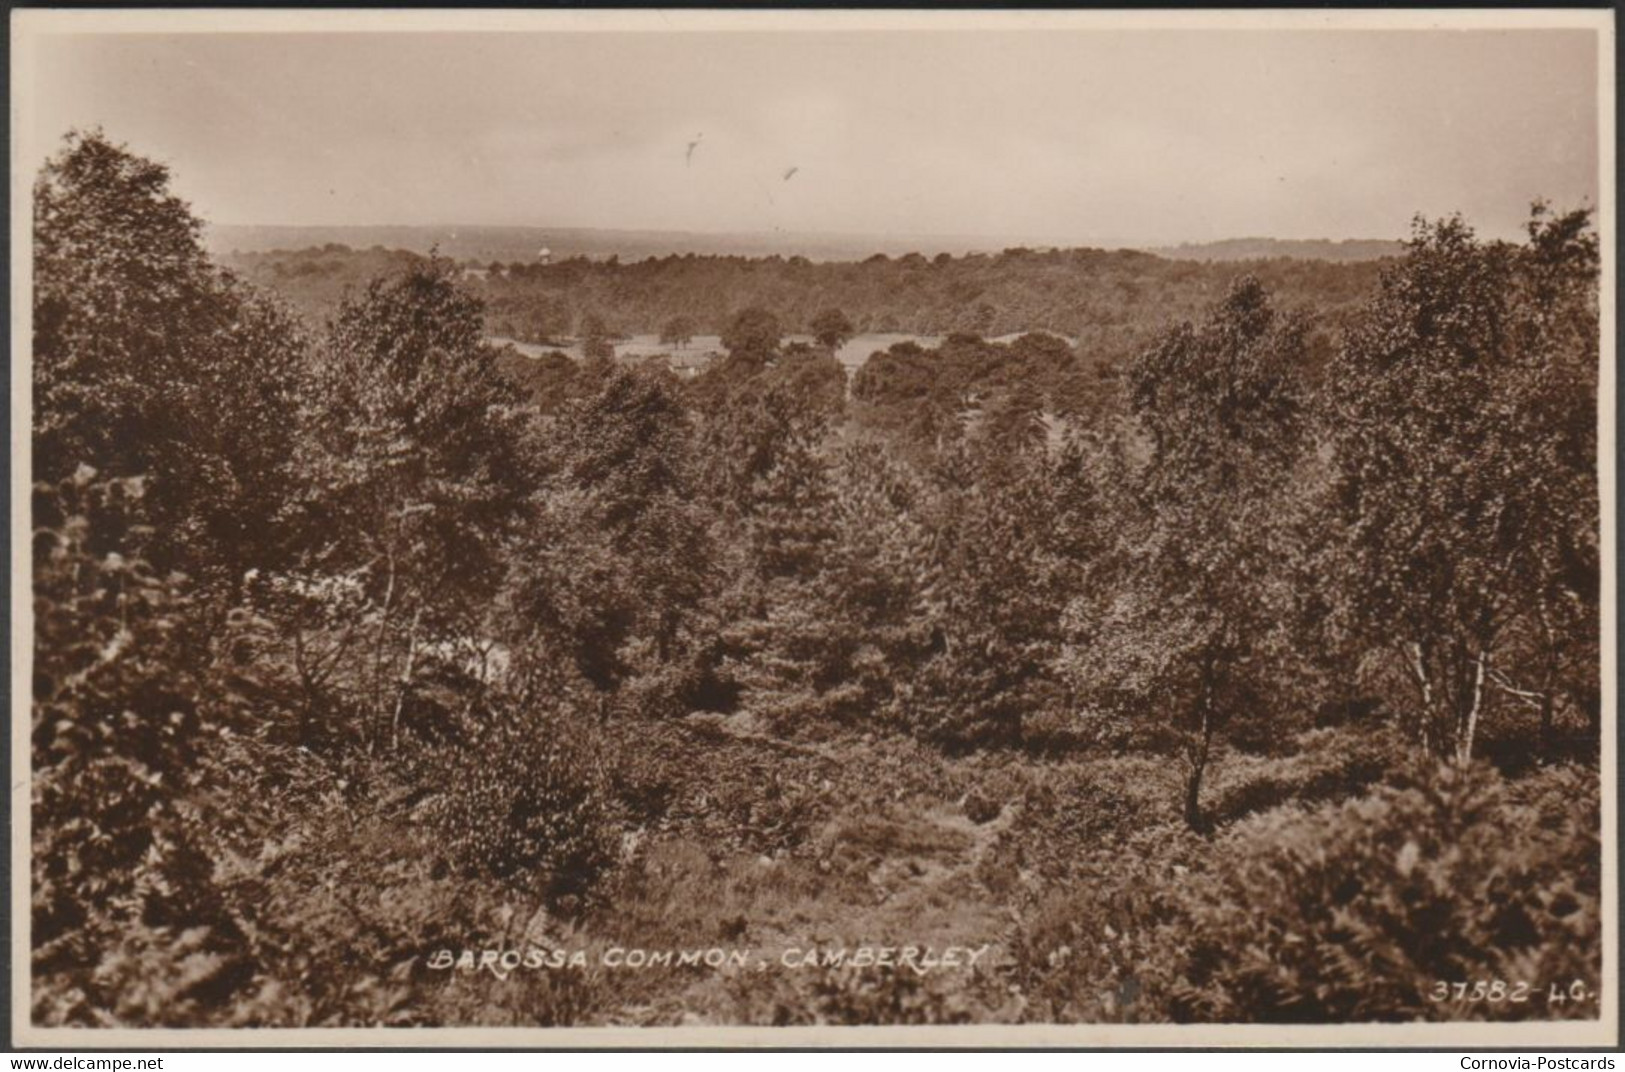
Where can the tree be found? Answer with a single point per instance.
(1016, 421)
(789, 650)
(831, 328)
(1462, 405)
(1558, 304)
(1183, 626)
(149, 361)
(595, 339)
(618, 557)
(415, 478)
(679, 332)
(753, 335)
(749, 417)
(985, 600)
(829, 625)
(813, 380)
(880, 575)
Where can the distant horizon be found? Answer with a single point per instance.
(820, 245)
(1070, 242)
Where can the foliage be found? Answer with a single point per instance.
(1111, 302)
(1351, 912)
(1462, 407)
(596, 343)
(991, 617)
(1184, 619)
(618, 556)
(149, 361)
(411, 445)
(865, 997)
(753, 334)
(358, 645)
(679, 331)
(524, 796)
(831, 328)
(119, 717)
(790, 652)
(115, 698)
(1454, 879)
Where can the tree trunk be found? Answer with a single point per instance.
(1425, 687)
(406, 681)
(307, 687)
(1198, 765)
(1469, 728)
(1548, 692)
(1544, 746)
(376, 705)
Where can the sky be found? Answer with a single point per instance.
(1064, 136)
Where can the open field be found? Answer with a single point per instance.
(852, 353)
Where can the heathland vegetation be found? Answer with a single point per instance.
(1223, 648)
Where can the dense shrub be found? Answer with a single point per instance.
(1358, 912)
(116, 725)
(526, 793)
(1066, 815)
(1349, 912)
(734, 792)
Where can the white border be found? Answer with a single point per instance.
(27, 26)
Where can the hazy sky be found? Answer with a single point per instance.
(1142, 136)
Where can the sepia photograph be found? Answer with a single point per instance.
(813, 528)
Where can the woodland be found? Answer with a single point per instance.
(1224, 647)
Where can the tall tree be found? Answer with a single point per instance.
(831, 626)
(1184, 627)
(991, 614)
(416, 480)
(1463, 408)
(596, 344)
(150, 361)
(754, 335)
(619, 557)
(679, 331)
(789, 650)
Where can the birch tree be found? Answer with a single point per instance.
(1461, 408)
(1184, 615)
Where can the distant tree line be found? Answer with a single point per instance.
(1113, 302)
